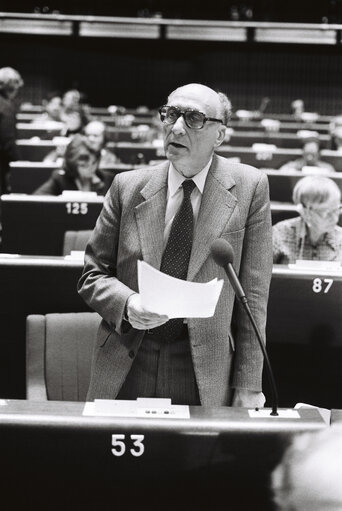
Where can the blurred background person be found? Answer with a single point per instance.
(74, 112)
(95, 133)
(52, 105)
(10, 83)
(297, 109)
(310, 158)
(309, 476)
(335, 130)
(315, 234)
(79, 172)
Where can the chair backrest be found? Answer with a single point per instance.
(75, 240)
(58, 355)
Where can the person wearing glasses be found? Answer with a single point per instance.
(169, 215)
(314, 235)
(79, 172)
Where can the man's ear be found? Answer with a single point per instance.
(221, 133)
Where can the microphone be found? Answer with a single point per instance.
(223, 255)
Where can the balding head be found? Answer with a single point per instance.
(191, 148)
(217, 102)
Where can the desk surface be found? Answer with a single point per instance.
(201, 463)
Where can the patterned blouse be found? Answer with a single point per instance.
(291, 242)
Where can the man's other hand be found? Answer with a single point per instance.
(140, 318)
(248, 398)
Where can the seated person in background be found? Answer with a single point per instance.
(10, 84)
(79, 171)
(309, 476)
(335, 130)
(310, 158)
(315, 234)
(95, 133)
(297, 108)
(53, 107)
(74, 114)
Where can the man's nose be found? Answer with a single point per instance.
(179, 126)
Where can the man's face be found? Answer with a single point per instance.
(53, 107)
(86, 164)
(189, 149)
(95, 136)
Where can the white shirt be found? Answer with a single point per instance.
(175, 195)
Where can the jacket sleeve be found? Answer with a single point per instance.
(98, 285)
(255, 276)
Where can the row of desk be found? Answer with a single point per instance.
(303, 330)
(133, 152)
(35, 225)
(121, 133)
(26, 177)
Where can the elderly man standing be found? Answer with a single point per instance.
(168, 215)
(10, 83)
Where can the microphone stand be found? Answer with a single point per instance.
(243, 300)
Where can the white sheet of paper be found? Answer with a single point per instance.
(175, 297)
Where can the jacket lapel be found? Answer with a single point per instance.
(216, 209)
(150, 215)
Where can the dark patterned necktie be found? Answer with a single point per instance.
(176, 255)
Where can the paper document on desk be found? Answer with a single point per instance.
(175, 297)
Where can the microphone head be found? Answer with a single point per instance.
(222, 252)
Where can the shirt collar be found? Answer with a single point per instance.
(175, 179)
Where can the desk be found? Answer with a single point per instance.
(304, 335)
(26, 130)
(283, 183)
(34, 150)
(281, 140)
(34, 285)
(36, 224)
(27, 176)
(219, 457)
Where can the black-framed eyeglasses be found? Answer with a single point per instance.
(193, 118)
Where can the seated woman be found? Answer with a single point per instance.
(80, 171)
(315, 234)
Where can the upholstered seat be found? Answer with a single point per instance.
(75, 240)
(58, 355)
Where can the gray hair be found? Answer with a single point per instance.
(10, 78)
(309, 456)
(226, 108)
(316, 189)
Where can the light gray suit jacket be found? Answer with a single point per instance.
(235, 206)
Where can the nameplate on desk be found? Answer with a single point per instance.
(150, 408)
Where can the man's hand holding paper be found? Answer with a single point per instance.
(141, 318)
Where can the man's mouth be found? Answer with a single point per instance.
(177, 145)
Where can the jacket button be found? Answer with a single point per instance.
(131, 354)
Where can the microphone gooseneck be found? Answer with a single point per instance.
(223, 255)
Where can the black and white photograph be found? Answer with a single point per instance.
(171, 255)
